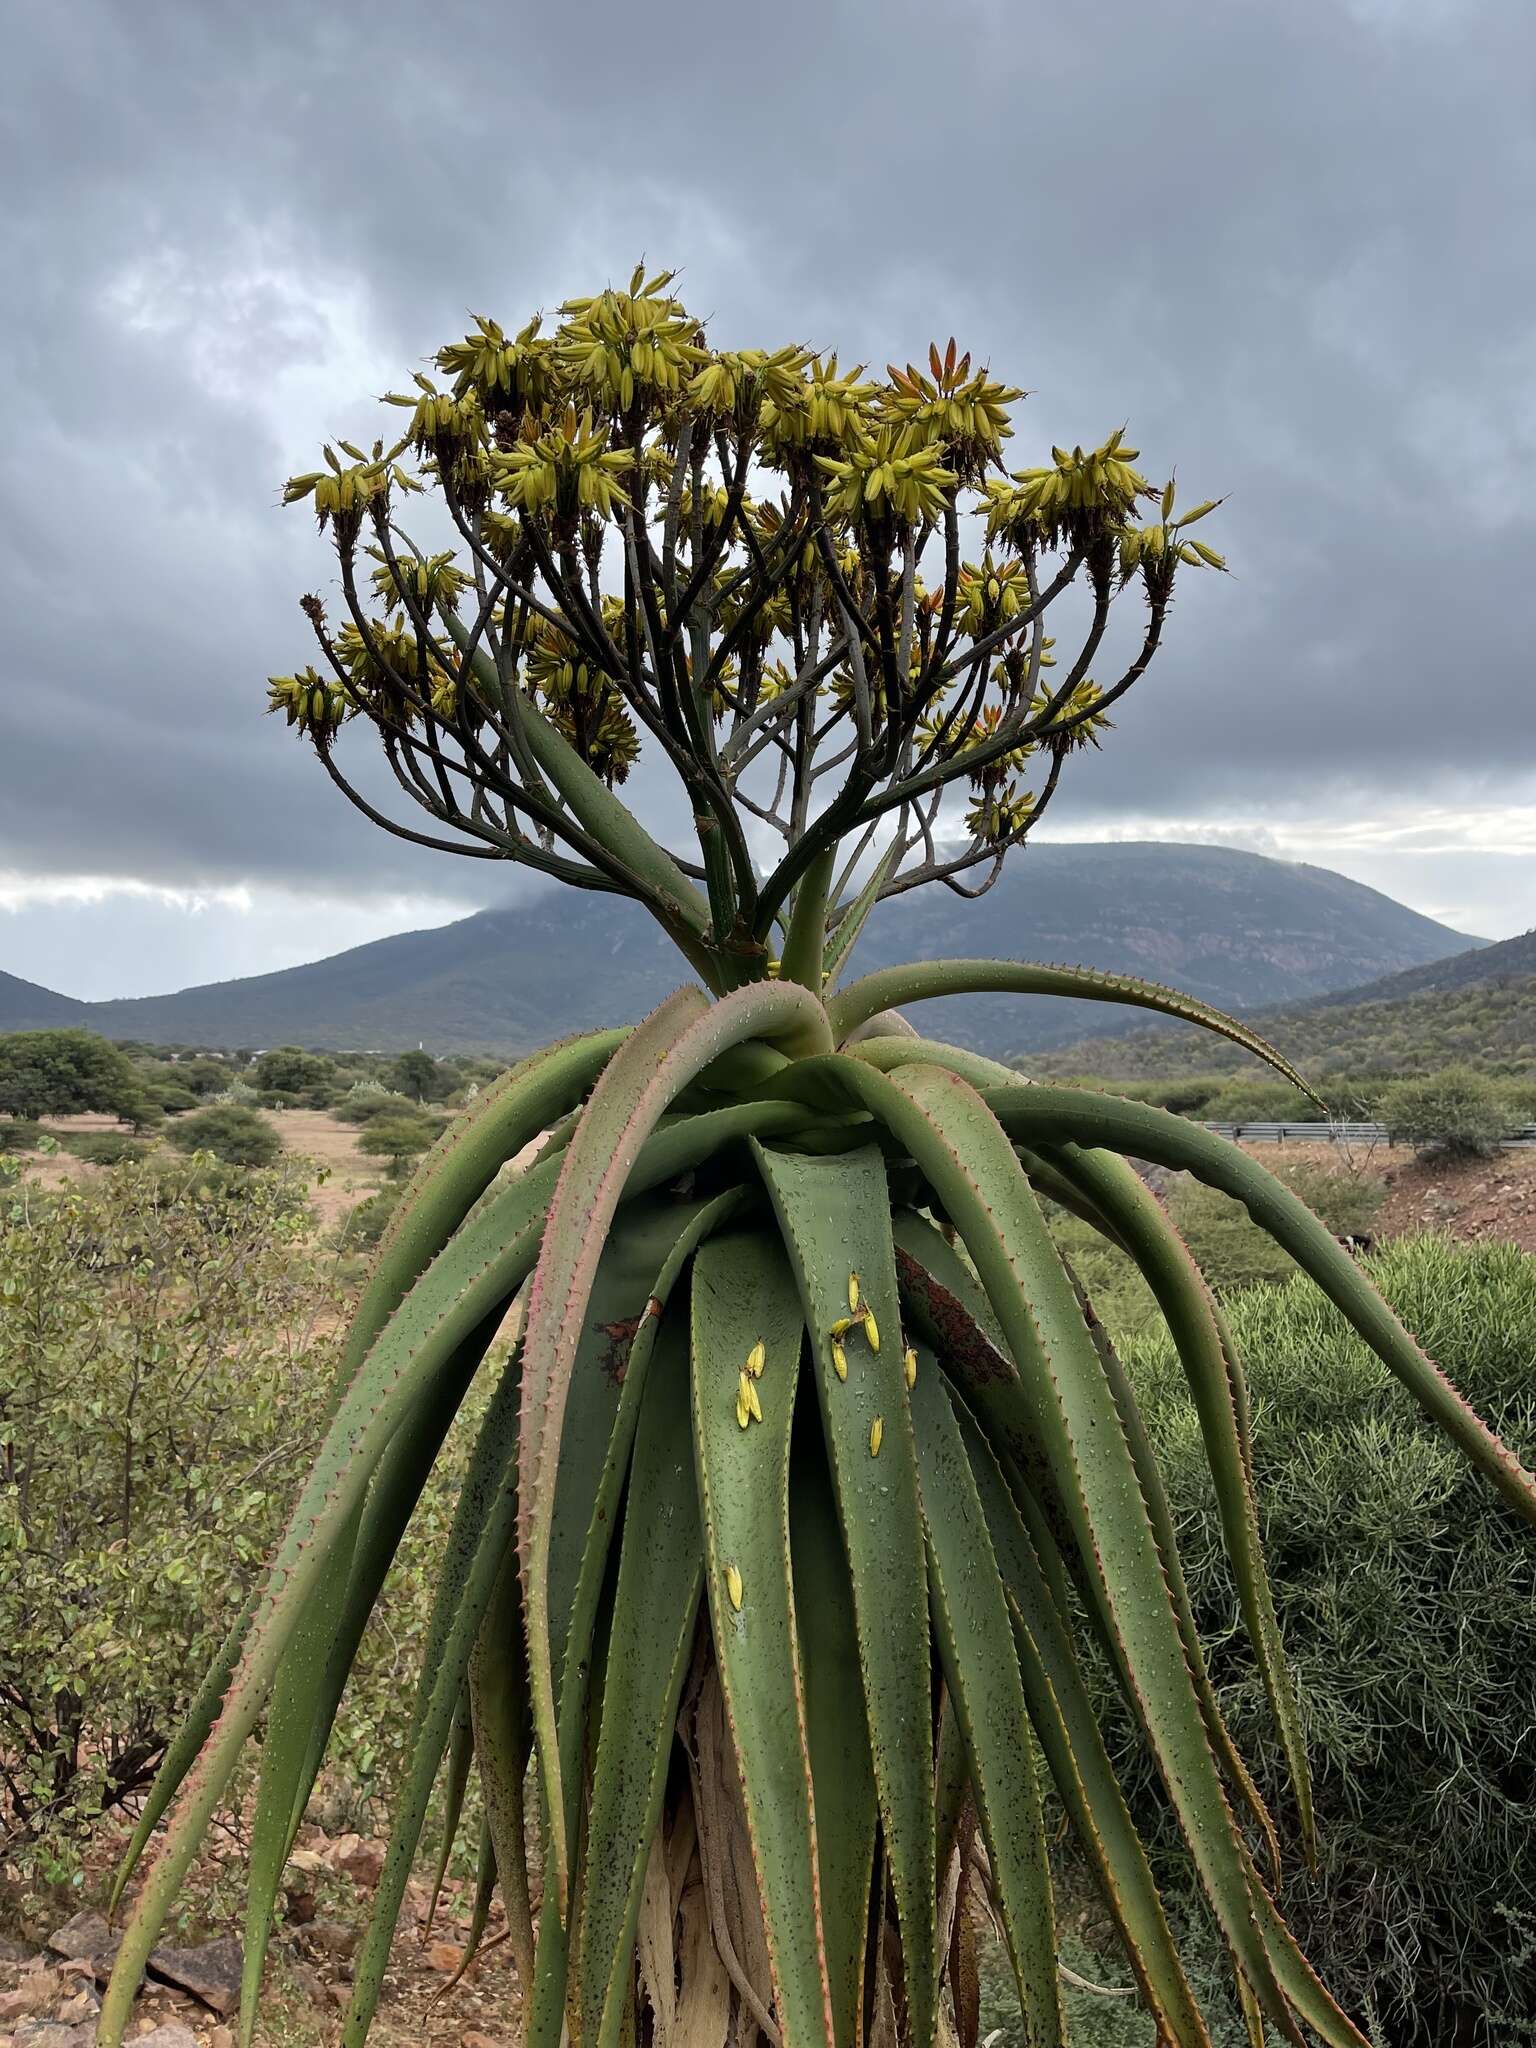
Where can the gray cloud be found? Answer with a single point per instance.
(1291, 245)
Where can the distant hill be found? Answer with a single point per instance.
(1234, 928)
(1478, 1006)
(1506, 960)
(26, 1007)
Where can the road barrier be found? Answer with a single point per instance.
(1340, 1133)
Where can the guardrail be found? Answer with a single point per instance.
(1336, 1134)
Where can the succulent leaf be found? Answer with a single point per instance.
(834, 1214)
(981, 1675)
(744, 1296)
(657, 1596)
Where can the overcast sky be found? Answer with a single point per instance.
(1290, 244)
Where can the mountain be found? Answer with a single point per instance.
(26, 1007)
(1477, 1006)
(1234, 928)
(1506, 960)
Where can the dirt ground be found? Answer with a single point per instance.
(343, 1176)
(1478, 1199)
(327, 1896)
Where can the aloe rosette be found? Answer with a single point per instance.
(807, 1470)
(806, 1490)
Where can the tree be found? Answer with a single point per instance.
(416, 1074)
(397, 1139)
(231, 1132)
(65, 1073)
(290, 1071)
(807, 1428)
(204, 1076)
(1455, 1111)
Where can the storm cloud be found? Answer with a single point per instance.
(1290, 245)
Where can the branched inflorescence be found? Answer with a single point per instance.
(752, 565)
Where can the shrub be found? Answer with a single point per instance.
(60, 1073)
(18, 1134)
(164, 1086)
(418, 1075)
(398, 1139)
(1456, 1112)
(239, 1092)
(204, 1076)
(103, 1148)
(366, 1100)
(364, 1226)
(238, 1136)
(293, 1073)
(164, 1369)
(1255, 1102)
(1407, 1599)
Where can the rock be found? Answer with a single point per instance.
(53, 2034)
(211, 1972)
(85, 1938)
(331, 1937)
(15, 1951)
(83, 2006)
(445, 1956)
(222, 2037)
(306, 1981)
(171, 2035)
(337, 1852)
(307, 1860)
(299, 1907)
(363, 1861)
(31, 1995)
(474, 2039)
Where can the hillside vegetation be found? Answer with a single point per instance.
(1488, 1024)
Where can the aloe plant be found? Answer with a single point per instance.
(809, 1479)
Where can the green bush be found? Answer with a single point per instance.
(165, 1086)
(1407, 1600)
(366, 1100)
(103, 1148)
(204, 1077)
(163, 1364)
(398, 1139)
(19, 1134)
(1258, 1102)
(1455, 1111)
(365, 1225)
(167, 1340)
(238, 1136)
(418, 1075)
(295, 1075)
(61, 1073)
